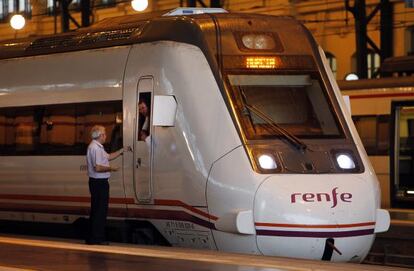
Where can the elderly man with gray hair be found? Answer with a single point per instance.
(99, 171)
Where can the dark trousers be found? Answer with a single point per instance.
(99, 189)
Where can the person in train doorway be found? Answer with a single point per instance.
(144, 116)
(99, 171)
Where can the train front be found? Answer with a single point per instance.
(317, 196)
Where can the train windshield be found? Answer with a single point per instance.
(296, 102)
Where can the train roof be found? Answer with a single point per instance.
(386, 82)
(130, 29)
(398, 64)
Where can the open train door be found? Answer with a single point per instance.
(402, 154)
(143, 149)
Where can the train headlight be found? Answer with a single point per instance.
(267, 161)
(258, 41)
(345, 161)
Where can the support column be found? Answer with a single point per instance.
(64, 6)
(215, 4)
(386, 30)
(86, 12)
(361, 38)
(191, 3)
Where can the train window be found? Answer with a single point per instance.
(374, 133)
(19, 129)
(404, 148)
(58, 129)
(295, 102)
(144, 111)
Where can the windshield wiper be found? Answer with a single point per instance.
(292, 139)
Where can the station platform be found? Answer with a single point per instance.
(395, 247)
(35, 253)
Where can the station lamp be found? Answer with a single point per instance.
(351, 76)
(17, 21)
(139, 5)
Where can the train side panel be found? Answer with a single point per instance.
(56, 185)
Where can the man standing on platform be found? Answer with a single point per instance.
(99, 171)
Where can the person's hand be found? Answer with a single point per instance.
(113, 169)
(127, 149)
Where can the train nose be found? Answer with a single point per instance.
(320, 217)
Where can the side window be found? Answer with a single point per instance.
(144, 117)
(374, 133)
(19, 130)
(7, 131)
(58, 129)
(107, 114)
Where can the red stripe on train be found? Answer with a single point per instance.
(63, 198)
(77, 199)
(323, 226)
(166, 202)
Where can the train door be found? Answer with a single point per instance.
(402, 154)
(143, 151)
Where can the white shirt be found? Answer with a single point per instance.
(96, 155)
(145, 126)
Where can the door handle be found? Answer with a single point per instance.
(138, 162)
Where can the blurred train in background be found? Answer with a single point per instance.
(383, 113)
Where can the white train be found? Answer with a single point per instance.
(250, 147)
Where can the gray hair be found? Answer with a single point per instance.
(97, 131)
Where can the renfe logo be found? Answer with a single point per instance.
(313, 197)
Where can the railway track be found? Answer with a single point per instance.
(396, 246)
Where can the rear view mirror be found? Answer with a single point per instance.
(164, 110)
